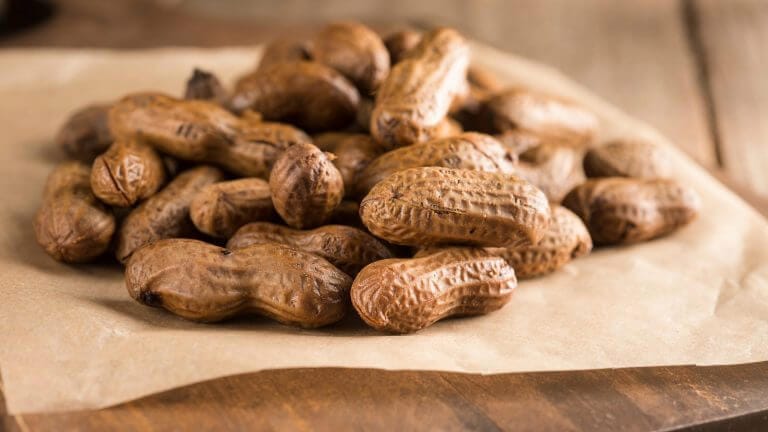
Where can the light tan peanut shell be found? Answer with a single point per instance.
(309, 95)
(202, 131)
(129, 171)
(165, 214)
(203, 282)
(348, 248)
(419, 90)
(566, 238)
(221, 208)
(407, 295)
(627, 158)
(400, 43)
(205, 85)
(306, 186)
(354, 50)
(71, 225)
(85, 134)
(619, 210)
(541, 114)
(553, 167)
(469, 150)
(431, 206)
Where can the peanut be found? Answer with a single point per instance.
(306, 186)
(627, 158)
(407, 295)
(354, 50)
(347, 213)
(546, 115)
(469, 150)
(553, 167)
(206, 283)
(308, 94)
(202, 131)
(126, 173)
(283, 51)
(349, 249)
(430, 206)
(419, 90)
(165, 214)
(400, 43)
(565, 239)
(71, 224)
(220, 209)
(85, 134)
(620, 210)
(353, 153)
(204, 85)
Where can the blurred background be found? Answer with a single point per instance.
(692, 68)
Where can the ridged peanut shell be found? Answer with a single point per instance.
(350, 249)
(203, 282)
(407, 295)
(71, 225)
(619, 210)
(431, 206)
(128, 172)
(627, 158)
(221, 208)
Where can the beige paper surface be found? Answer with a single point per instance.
(71, 338)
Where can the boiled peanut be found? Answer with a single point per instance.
(546, 115)
(354, 50)
(419, 90)
(469, 150)
(400, 43)
(306, 186)
(220, 209)
(204, 85)
(407, 295)
(353, 153)
(202, 131)
(620, 210)
(165, 214)
(282, 51)
(553, 167)
(85, 134)
(430, 205)
(71, 224)
(346, 213)
(310, 95)
(349, 249)
(627, 158)
(566, 238)
(203, 282)
(129, 171)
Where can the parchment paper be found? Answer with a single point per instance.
(71, 338)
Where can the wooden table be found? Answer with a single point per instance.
(692, 68)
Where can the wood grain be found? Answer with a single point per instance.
(734, 35)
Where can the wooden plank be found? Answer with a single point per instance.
(336, 399)
(734, 35)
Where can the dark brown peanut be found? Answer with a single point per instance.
(400, 43)
(353, 153)
(620, 210)
(349, 249)
(306, 186)
(204, 85)
(627, 158)
(220, 209)
(469, 150)
(354, 50)
(85, 134)
(553, 167)
(347, 213)
(310, 95)
(566, 238)
(128, 172)
(363, 116)
(165, 214)
(202, 131)
(419, 90)
(71, 224)
(206, 283)
(430, 206)
(283, 51)
(545, 115)
(407, 295)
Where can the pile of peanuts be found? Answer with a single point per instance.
(347, 171)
